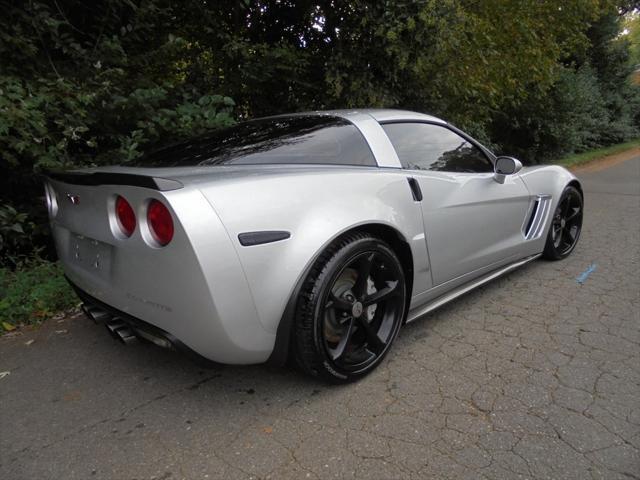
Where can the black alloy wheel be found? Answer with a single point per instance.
(566, 225)
(350, 309)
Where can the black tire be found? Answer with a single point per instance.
(340, 335)
(566, 225)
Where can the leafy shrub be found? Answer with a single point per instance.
(92, 84)
(34, 291)
(101, 82)
(58, 123)
(574, 116)
(15, 235)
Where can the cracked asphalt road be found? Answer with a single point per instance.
(532, 376)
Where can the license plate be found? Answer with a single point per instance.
(91, 255)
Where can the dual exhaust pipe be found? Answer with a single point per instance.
(119, 329)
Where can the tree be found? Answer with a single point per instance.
(632, 26)
(102, 82)
(92, 83)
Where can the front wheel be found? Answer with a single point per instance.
(350, 309)
(566, 225)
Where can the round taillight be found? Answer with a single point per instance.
(125, 215)
(160, 222)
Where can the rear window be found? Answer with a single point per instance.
(311, 139)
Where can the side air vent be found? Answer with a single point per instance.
(538, 218)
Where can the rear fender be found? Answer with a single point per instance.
(315, 211)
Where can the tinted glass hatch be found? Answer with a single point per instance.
(307, 139)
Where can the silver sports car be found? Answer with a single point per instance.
(310, 237)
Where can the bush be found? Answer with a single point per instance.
(574, 116)
(102, 82)
(91, 84)
(34, 291)
(16, 233)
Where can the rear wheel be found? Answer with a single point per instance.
(566, 225)
(350, 309)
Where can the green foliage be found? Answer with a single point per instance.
(632, 25)
(590, 102)
(90, 84)
(103, 82)
(16, 233)
(462, 60)
(531, 133)
(33, 292)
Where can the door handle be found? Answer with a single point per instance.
(415, 189)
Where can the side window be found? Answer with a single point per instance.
(424, 146)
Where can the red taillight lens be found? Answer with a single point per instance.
(125, 215)
(160, 222)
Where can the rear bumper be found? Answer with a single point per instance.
(101, 312)
(192, 290)
(116, 319)
(213, 345)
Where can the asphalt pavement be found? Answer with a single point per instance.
(536, 375)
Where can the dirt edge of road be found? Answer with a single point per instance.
(605, 162)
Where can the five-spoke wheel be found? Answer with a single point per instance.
(566, 225)
(350, 310)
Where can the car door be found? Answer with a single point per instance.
(471, 221)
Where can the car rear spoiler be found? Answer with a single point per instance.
(108, 178)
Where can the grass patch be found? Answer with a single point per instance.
(35, 291)
(584, 157)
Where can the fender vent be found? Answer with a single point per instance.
(538, 219)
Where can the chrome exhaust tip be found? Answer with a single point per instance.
(126, 335)
(120, 330)
(155, 339)
(95, 314)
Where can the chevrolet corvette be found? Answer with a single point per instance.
(309, 238)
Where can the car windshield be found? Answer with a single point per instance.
(304, 139)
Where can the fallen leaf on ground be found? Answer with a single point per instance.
(4, 374)
(15, 333)
(267, 430)
(72, 396)
(61, 331)
(8, 327)
(29, 342)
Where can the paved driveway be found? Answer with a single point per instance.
(532, 376)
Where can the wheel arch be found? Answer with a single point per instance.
(550, 251)
(576, 183)
(394, 238)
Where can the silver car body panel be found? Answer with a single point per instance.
(451, 293)
(226, 301)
